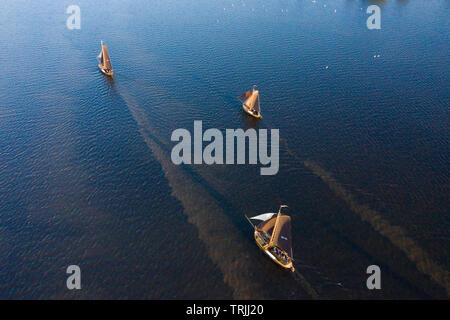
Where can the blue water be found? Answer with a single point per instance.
(86, 176)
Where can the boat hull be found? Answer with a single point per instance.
(266, 250)
(102, 69)
(257, 116)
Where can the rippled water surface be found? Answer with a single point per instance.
(86, 176)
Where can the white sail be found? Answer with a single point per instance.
(264, 216)
(99, 57)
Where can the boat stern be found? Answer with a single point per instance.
(105, 71)
(257, 116)
(263, 245)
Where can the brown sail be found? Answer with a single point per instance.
(256, 105)
(253, 101)
(105, 61)
(251, 104)
(281, 236)
(105, 58)
(267, 226)
(246, 95)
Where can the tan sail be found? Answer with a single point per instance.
(267, 226)
(251, 105)
(247, 94)
(252, 100)
(276, 224)
(281, 236)
(257, 106)
(105, 61)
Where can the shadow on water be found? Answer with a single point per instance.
(248, 122)
(201, 218)
(215, 217)
(206, 209)
(395, 234)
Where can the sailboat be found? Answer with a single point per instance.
(104, 62)
(273, 236)
(251, 103)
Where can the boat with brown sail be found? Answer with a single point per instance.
(104, 61)
(250, 103)
(273, 236)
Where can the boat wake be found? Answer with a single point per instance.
(320, 285)
(209, 219)
(305, 284)
(226, 246)
(395, 234)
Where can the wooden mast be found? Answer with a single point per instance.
(276, 224)
(250, 222)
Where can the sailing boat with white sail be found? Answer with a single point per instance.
(273, 236)
(104, 62)
(251, 103)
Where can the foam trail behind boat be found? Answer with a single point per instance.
(226, 246)
(395, 234)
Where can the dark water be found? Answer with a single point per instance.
(86, 176)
